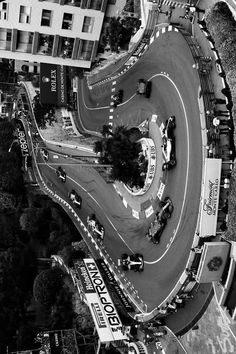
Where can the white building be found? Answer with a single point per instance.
(62, 32)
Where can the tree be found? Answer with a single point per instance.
(11, 179)
(121, 150)
(69, 254)
(6, 134)
(47, 285)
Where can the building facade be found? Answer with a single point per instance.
(62, 32)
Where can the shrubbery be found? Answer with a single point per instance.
(222, 27)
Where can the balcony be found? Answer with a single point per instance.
(45, 44)
(5, 39)
(65, 47)
(24, 41)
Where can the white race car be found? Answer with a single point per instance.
(131, 262)
(61, 174)
(95, 226)
(168, 143)
(75, 198)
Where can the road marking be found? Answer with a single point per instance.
(187, 169)
(78, 184)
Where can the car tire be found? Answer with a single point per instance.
(168, 215)
(165, 166)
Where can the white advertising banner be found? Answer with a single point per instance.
(105, 301)
(210, 197)
(93, 301)
(103, 329)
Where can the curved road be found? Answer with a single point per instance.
(168, 62)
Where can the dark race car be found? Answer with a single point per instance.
(168, 143)
(117, 98)
(95, 226)
(61, 174)
(157, 226)
(75, 198)
(131, 262)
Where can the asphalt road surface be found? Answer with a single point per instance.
(168, 63)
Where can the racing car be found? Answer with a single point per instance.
(117, 98)
(168, 143)
(131, 262)
(75, 198)
(45, 154)
(157, 226)
(61, 174)
(95, 226)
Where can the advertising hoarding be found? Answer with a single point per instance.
(210, 197)
(113, 286)
(22, 138)
(105, 300)
(93, 301)
(213, 260)
(53, 88)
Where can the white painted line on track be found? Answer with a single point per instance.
(187, 169)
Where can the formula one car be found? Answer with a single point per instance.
(133, 262)
(117, 98)
(95, 226)
(61, 174)
(45, 154)
(157, 226)
(75, 198)
(168, 143)
(144, 87)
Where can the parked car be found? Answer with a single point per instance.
(75, 198)
(117, 98)
(131, 262)
(168, 143)
(144, 87)
(95, 226)
(61, 174)
(157, 226)
(45, 154)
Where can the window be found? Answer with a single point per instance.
(67, 21)
(86, 50)
(8, 35)
(25, 14)
(46, 18)
(88, 24)
(3, 11)
(4, 6)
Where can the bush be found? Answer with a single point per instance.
(47, 285)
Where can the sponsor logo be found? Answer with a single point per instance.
(97, 311)
(104, 297)
(23, 142)
(210, 203)
(85, 278)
